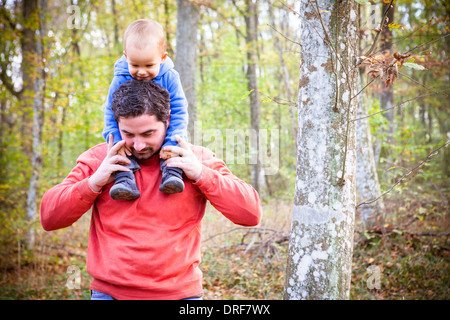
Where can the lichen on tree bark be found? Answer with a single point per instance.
(320, 250)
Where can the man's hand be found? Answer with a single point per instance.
(182, 157)
(112, 162)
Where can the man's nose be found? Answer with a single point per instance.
(138, 144)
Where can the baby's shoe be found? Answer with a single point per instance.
(172, 180)
(125, 187)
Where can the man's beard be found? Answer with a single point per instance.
(145, 154)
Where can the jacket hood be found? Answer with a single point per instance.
(121, 67)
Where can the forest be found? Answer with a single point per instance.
(370, 145)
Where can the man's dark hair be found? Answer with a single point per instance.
(135, 98)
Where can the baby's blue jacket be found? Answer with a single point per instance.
(168, 78)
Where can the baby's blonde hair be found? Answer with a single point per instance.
(140, 31)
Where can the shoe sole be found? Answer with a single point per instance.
(123, 194)
(171, 188)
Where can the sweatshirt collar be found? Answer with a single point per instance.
(153, 160)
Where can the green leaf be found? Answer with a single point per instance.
(362, 1)
(247, 94)
(368, 236)
(414, 66)
(394, 26)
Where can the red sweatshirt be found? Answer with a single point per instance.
(148, 248)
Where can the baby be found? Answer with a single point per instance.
(145, 58)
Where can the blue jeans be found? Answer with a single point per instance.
(95, 295)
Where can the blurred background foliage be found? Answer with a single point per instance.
(78, 56)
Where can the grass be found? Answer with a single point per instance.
(411, 258)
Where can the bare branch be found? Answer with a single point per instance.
(417, 82)
(295, 42)
(242, 13)
(430, 155)
(6, 15)
(429, 42)
(381, 27)
(225, 19)
(398, 105)
(253, 229)
(8, 84)
(364, 88)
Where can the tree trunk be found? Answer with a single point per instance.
(29, 70)
(188, 18)
(38, 82)
(367, 183)
(321, 240)
(285, 72)
(167, 18)
(117, 48)
(387, 93)
(366, 171)
(257, 174)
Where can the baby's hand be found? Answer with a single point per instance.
(182, 157)
(124, 151)
(164, 154)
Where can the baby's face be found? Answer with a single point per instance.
(144, 64)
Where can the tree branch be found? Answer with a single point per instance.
(210, 6)
(370, 82)
(381, 27)
(242, 13)
(7, 83)
(429, 42)
(398, 105)
(417, 82)
(295, 42)
(430, 155)
(5, 14)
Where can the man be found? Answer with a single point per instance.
(148, 248)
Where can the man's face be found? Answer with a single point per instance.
(144, 135)
(144, 64)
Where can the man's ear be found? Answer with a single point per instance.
(168, 120)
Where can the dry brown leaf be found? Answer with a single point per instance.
(385, 66)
